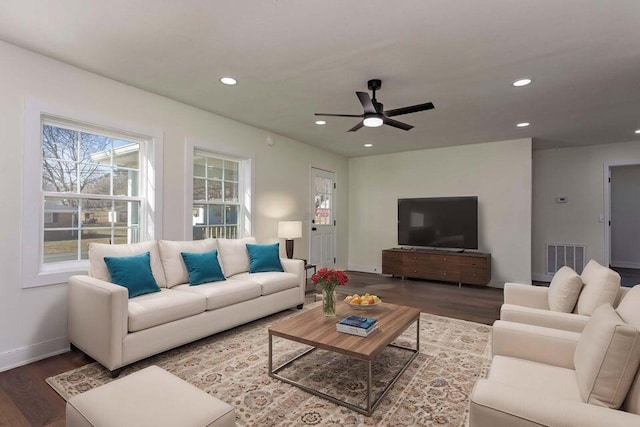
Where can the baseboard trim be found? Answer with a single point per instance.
(364, 268)
(625, 264)
(24, 355)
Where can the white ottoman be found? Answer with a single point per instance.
(151, 397)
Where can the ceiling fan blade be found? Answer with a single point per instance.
(365, 100)
(338, 115)
(356, 127)
(397, 124)
(409, 110)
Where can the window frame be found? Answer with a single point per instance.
(34, 271)
(246, 166)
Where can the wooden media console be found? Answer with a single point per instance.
(459, 267)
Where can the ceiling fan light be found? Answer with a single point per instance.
(373, 121)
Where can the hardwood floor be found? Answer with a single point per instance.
(474, 303)
(27, 400)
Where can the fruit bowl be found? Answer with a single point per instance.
(356, 301)
(364, 306)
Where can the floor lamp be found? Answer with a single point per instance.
(289, 230)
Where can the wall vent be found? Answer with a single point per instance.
(559, 255)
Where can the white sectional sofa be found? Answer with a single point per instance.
(117, 330)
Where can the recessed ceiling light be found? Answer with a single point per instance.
(523, 124)
(637, 131)
(368, 145)
(321, 122)
(522, 82)
(229, 81)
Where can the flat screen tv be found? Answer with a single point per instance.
(438, 222)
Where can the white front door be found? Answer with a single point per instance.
(323, 220)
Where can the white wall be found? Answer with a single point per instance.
(578, 174)
(625, 216)
(33, 321)
(499, 173)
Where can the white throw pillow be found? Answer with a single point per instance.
(601, 286)
(606, 358)
(170, 254)
(564, 290)
(98, 268)
(233, 255)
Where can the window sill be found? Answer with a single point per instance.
(54, 274)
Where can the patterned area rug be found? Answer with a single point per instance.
(434, 390)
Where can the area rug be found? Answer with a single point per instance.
(232, 366)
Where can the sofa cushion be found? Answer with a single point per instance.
(203, 267)
(132, 272)
(601, 286)
(629, 307)
(564, 290)
(233, 255)
(264, 258)
(606, 358)
(175, 270)
(147, 311)
(271, 282)
(223, 294)
(97, 252)
(629, 311)
(535, 378)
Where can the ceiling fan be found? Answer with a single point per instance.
(374, 114)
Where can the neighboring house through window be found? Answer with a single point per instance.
(221, 196)
(93, 186)
(90, 188)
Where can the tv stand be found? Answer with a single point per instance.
(447, 266)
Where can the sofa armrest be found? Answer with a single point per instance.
(545, 318)
(296, 266)
(526, 295)
(496, 405)
(544, 345)
(98, 316)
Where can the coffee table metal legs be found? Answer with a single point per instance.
(371, 404)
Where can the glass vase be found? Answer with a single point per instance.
(329, 302)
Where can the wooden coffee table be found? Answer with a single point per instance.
(314, 329)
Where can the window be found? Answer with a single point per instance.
(90, 190)
(217, 204)
(84, 183)
(323, 187)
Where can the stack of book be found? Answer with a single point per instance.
(357, 325)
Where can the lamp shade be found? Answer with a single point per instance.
(290, 229)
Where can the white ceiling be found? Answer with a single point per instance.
(293, 58)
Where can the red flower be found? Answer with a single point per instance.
(327, 277)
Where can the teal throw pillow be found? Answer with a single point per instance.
(263, 258)
(132, 272)
(203, 267)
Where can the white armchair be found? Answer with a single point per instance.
(549, 377)
(530, 304)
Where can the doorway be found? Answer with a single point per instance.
(624, 222)
(323, 218)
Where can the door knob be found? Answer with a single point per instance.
(313, 229)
